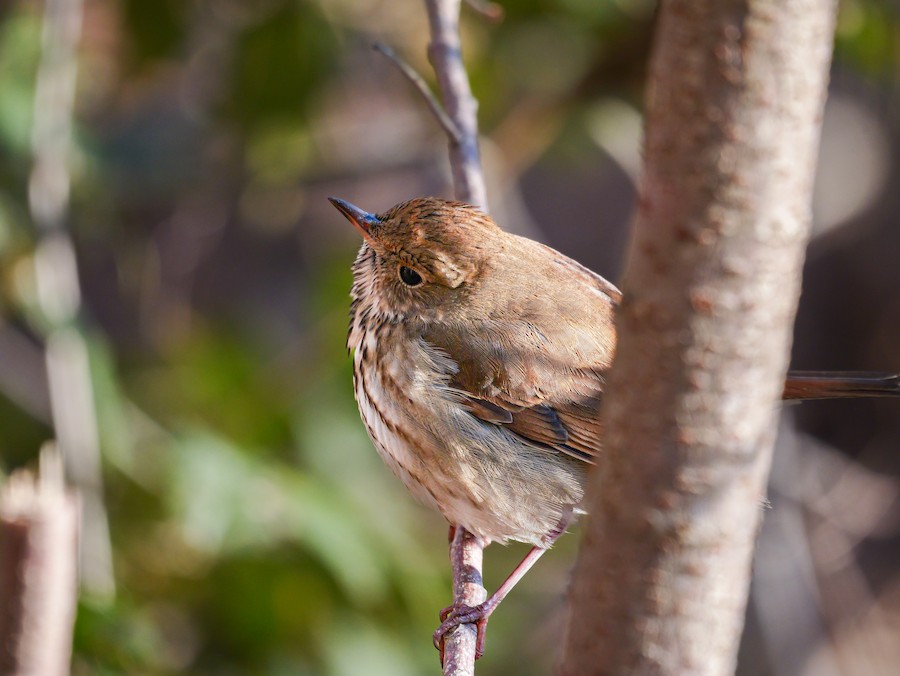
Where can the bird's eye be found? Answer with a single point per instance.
(409, 276)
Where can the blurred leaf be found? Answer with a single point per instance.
(867, 36)
(545, 57)
(156, 29)
(125, 638)
(20, 42)
(279, 152)
(227, 500)
(22, 436)
(357, 648)
(282, 62)
(215, 378)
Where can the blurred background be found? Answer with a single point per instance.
(243, 523)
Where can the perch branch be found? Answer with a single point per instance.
(468, 587)
(444, 51)
(458, 117)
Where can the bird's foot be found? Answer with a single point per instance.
(455, 615)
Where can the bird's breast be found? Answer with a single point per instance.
(478, 475)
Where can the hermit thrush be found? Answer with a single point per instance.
(479, 360)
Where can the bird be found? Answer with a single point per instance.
(479, 365)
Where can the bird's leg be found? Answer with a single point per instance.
(457, 614)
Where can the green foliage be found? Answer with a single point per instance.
(155, 29)
(282, 63)
(19, 53)
(866, 37)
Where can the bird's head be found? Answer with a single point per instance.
(420, 255)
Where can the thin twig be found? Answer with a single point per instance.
(445, 53)
(420, 84)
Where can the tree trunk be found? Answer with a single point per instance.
(734, 106)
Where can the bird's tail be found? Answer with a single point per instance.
(840, 384)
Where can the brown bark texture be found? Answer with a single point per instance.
(734, 105)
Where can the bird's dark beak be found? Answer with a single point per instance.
(362, 220)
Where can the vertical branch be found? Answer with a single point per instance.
(445, 53)
(59, 294)
(38, 549)
(712, 280)
(458, 117)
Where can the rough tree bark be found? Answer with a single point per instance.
(734, 105)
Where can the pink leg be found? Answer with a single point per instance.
(455, 615)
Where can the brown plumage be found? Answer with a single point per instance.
(501, 439)
(479, 361)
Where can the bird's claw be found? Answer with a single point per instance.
(446, 612)
(455, 615)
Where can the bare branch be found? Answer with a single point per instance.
(459, 644)
(422, 86)
(445, 53)
(466, 550)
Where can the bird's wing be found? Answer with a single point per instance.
(571, 426)
(532, 346)
(544, 383)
